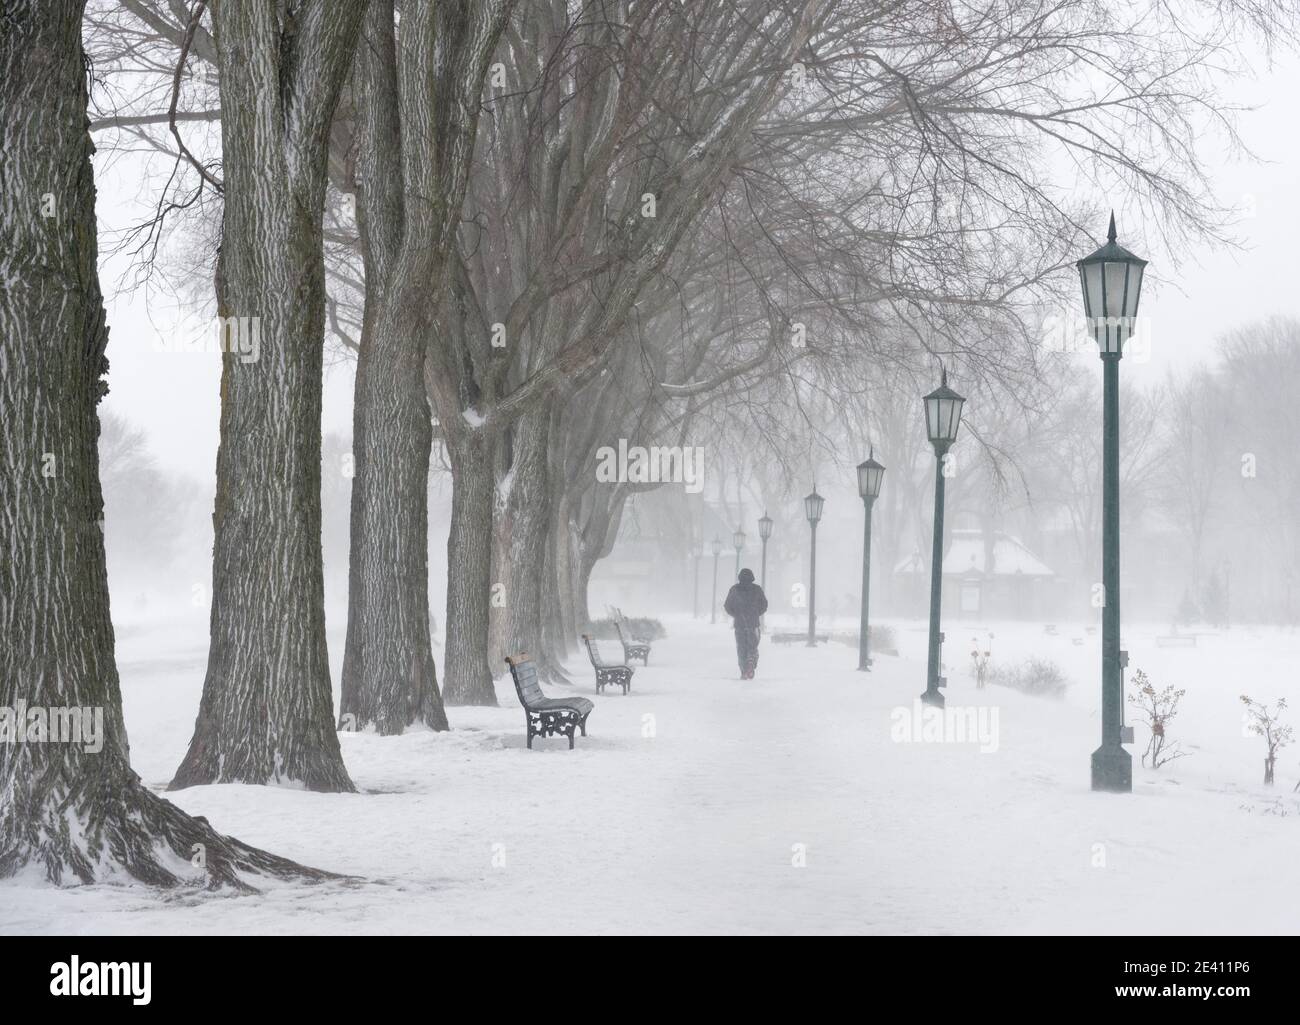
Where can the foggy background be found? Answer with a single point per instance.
(1203, 541)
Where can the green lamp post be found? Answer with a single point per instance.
(942, 418)
(1112, 286)
(870, 474)
(765, 534)
(812, 507)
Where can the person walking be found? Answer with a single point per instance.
(746, 604)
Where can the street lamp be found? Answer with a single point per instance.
(869, 477)
(738, 539)
(764, 532)
(942, 418)
(1112, 285)
(695, 592)
(717, 550)
(812, 507)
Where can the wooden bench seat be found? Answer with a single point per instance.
(607, 674)
(632, 649)
(546, 717)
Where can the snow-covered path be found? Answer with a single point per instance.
(701, 803)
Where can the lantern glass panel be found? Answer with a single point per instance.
(943, 416)
(813, 507)
(869, 475)
(1135, 272)
(765, 527)
(1091, 275)
(1116, 285)
(1111, 279)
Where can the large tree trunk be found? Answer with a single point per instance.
(567, 627)
(72, 813)
(389, 677)
(390, 680)
(420, 87)
(550, 599)
(528, 517)
(469, 572)
(582, 583)
(266, 714)
(603, 512)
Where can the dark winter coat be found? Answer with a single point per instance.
(746, 602)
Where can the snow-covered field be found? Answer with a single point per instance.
(700, 803)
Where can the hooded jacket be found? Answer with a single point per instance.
(746, 601)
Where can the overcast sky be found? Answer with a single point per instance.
(174, 396)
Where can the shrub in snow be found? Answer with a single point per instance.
(1263, 723)
(1040, 677)
(645, 629)
(1157, 709)
(883, 639)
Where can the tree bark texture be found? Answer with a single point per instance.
(68, 811)
(419, 87)
(266, 715)
(469, 574)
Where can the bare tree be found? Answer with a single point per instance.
(417, 96)
(1158, 708)
(72, 807)
(1194, 458)
(1267, 723)
(266, 715)
(1257, 366)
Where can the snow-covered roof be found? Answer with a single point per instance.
(967, 552)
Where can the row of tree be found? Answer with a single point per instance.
(539, 226)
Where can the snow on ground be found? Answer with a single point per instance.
(701, 803)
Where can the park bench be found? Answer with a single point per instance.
(606, 673)
(1176, 641)
(546, 717)
(632, 649)
(618, 616)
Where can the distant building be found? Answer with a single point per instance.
(986, 575)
